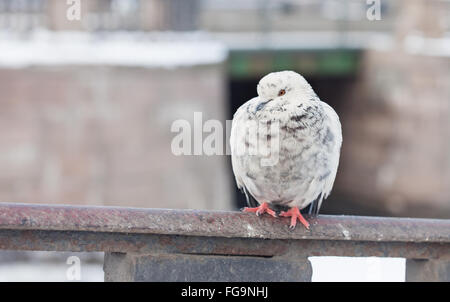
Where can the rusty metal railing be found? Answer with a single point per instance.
(152, 244)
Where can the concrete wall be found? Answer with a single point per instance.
(397, 126)
(395, 157)
(101, 136)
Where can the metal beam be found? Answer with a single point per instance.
(223, 224)
(176, 245)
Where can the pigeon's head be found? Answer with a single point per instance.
(284, 84)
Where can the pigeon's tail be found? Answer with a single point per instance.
(314, 207)
(251, 202)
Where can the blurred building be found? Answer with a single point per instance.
(88, 114)
(87, 118)
(397, 153)
(100, 15)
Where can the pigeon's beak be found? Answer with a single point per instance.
(261, 105)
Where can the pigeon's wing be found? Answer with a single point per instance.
(238, 116)
(335, 125)
(237, 127)
(333, 142)
(319, 132)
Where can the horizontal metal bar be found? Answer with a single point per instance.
(87, 241)
(222, 224)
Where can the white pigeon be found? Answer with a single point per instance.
(285, 146)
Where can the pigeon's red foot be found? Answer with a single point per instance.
(263, 208)
(294, 213)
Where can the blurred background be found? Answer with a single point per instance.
(86, 106)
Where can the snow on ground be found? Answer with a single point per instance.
(164, 50)
(358, 269)
(333, 269)
(420, 45)
(414, 43)
(170, 49)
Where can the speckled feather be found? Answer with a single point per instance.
(308, 143)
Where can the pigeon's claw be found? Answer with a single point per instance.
(294, 213)
(263, 208)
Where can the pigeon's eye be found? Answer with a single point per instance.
(281, 92)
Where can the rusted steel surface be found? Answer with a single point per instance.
(177, 245)
(87, 241)
(220, 224)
